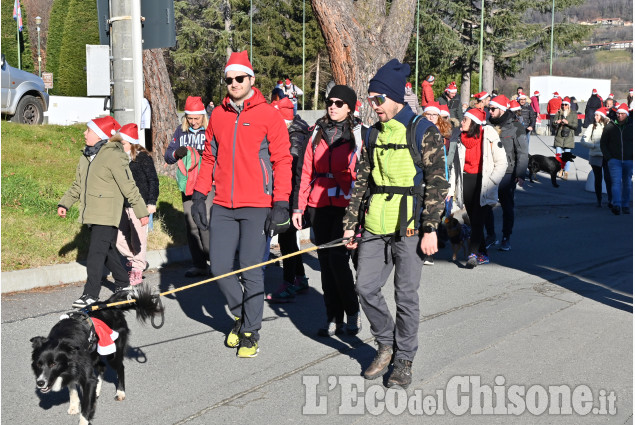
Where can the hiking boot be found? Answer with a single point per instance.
(301, 284)
(482, 259)
(331, 329)
(135, 276)
(285, 294)
(380, 363)
(248, 346)
(84, 301)
(233, 338)
(197, 271)
(428, 260)
(490, 240)
(616, 210)
(401, 374)
(472, 261)
(354, 323)
(505, 245)
(626, 210)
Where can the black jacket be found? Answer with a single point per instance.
(617, 141)
(514, 141)
(145, 176)
(529, 116)
(592, 105)
(298, 136)
(454, 105)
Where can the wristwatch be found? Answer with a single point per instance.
(428, 229)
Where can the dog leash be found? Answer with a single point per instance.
(332, 244)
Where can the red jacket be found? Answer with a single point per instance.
(245, 153)
(427, 95)
(554, 105)
(327, 174)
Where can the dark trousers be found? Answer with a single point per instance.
(197, 239)
(475, 211)
(337, 279)
(506, 191)
(378, 256)
(292, 266)
(242, 229)
(102, 250)
(598, 173)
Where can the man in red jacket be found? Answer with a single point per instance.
(246, 149)
(427, 95)
(553, 106)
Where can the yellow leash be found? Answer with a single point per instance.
(333, 244)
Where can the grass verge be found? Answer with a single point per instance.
(38, 166)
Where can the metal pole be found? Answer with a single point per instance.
(303, 47)
(137, 73)
(123, 105)
(553, 12)
(417, 56)
(17, 27)
(251, 33)
(39, 53)
(480, 61)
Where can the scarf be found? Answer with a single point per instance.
(473, 153)
(92, 150)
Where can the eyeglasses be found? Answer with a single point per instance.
(431, 115)
(338, 103)
(492, 109)
(377, 100)
(239, 79)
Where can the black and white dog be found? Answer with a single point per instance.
(68, 357)
(549, 164)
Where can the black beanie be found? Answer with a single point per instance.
(391, 80)
(345, 93)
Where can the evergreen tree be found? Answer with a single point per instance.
(9, 41)
(59, 11)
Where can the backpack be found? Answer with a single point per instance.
(187, 171)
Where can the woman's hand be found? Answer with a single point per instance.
(152, 209)
(296, 218)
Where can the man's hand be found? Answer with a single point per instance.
(530, 128)
(429, 243)
(144, 220)
(152, 209)
(297, 220)
(61, 211)
(351, 244)
(278, 220)
(199, 210)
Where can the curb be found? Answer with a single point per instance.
(60, 274)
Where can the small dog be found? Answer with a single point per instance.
(548, 164)
(459, 235)
(68, 357)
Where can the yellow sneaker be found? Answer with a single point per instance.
(233, 338)
(248, 346)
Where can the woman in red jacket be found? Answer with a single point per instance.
(328, 174)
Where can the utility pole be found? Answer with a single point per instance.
(127, 66)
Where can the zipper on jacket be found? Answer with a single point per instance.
(86, 187)
(234, 158)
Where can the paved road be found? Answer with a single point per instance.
(556, 310)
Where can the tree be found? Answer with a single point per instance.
(54, 38)
(362, 36)
(9, 41)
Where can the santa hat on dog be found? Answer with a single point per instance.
(104, 127)
(477, 116)
(194, 105)
(130, 133)
(501, 102)
(239, 61)
(481, 96)
(514, 106)
(445, 111)
(451, 88)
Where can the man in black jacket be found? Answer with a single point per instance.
(454, 104)
(617, 150)
(592, 105)
(528, 114)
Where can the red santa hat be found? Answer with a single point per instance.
(105, 337)
(602, 111)
(610, 96)
(194, 105)
(285, 106)
(501, 102)
(555, 94)
(594, 91)
(358, 104)
(476, 115)
(287, 82)
(522, 96)
(481, 96)
(104, 127)
(537, 93)
(630, 92)
(514, 106)
(433, 107)
(408, 85)
(622, 108)
(239, 61)
(566, 101)
(445, 111)
(130, 133)
(451, 88)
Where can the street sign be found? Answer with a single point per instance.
(158, 29)
(48, 80)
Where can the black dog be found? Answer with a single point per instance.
(548, 164)
(68, 356)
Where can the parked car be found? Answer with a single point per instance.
(24, 99)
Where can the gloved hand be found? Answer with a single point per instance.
(278, 219)
(180, 152)
(199, 210)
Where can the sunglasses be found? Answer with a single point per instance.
(337, 103)
(492, 109)
(377, 100)
(239, 79)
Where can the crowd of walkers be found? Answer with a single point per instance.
(254, 169)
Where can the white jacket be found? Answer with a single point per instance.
(591, 139)
(494, 166)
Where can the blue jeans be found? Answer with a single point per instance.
(560, 150)
(621, 181)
